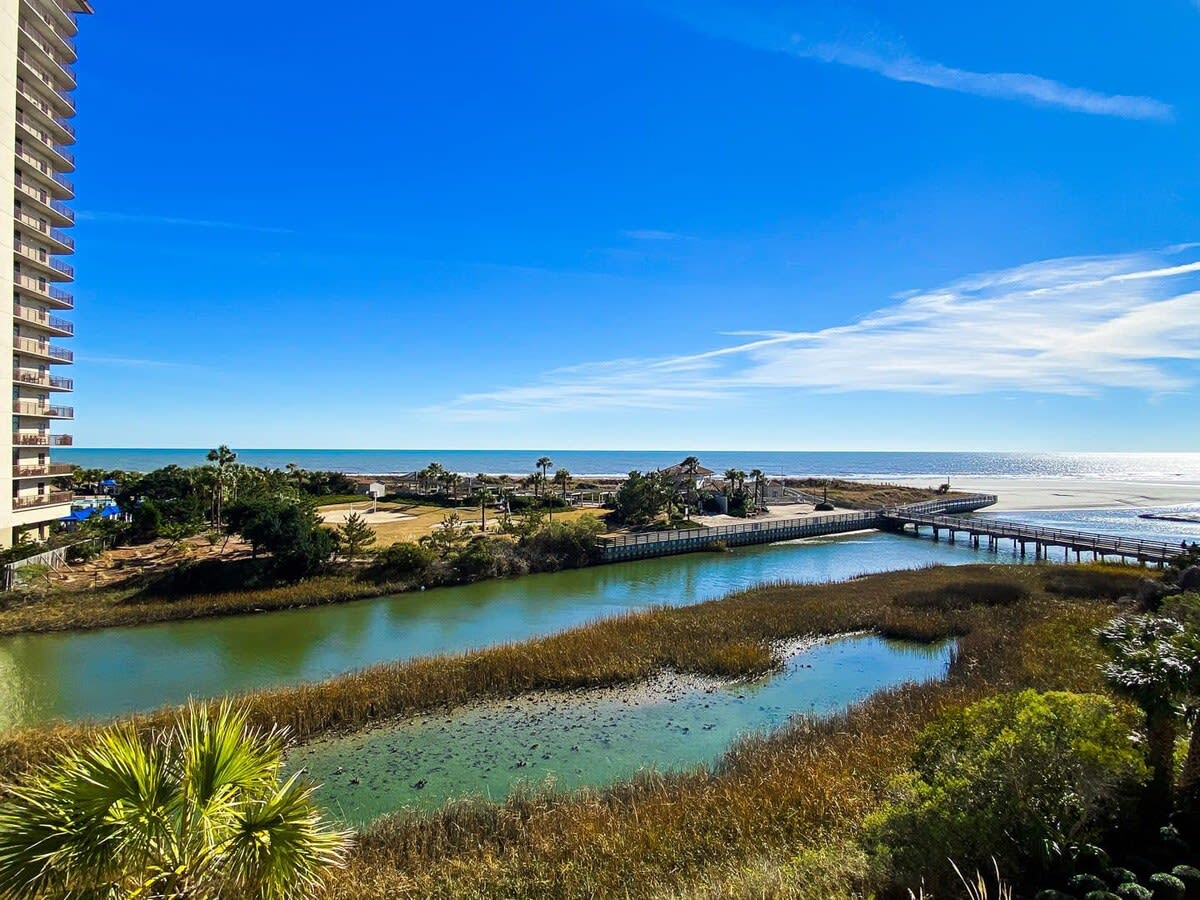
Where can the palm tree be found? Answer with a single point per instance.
(199, 811)
(544, 463)
(563, 479)
(1149, 668)
(223, 457)
(757, 475)
(486, 498)
(731, 477)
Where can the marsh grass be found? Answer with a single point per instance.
(797, 794)
(120, 607)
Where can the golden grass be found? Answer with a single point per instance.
(777, 818)
(78, 610)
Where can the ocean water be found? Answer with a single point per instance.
(1154, 467)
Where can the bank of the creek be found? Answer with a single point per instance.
(101, 674)
(596, 737)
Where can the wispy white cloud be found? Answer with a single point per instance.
(1072, 326)
(130, 362)
(650, 234)
(804, 39)
(119, 218)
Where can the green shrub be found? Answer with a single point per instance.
(1100, 895)
(1118, 876)
(1167, 887)
(1005, 778)
(1052, 894)
(1085, 883)
(1190, 876)
(402, 561)
(1131, 890)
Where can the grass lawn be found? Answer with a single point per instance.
(394, 522)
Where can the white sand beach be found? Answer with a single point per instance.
(1072, 493)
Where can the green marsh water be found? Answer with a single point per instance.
(593, 738)
(104, 673)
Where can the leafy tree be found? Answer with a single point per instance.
(147, 520)
(641, 499)
(200, 811)
(448, 536)
(1009, 778)
(290, 530)
(356, 535)
(179, 494)
(1149, 668)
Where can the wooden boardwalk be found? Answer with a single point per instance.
(668, 543)
(976, 531)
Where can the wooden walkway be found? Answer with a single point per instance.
(668, 543)
(976, 531)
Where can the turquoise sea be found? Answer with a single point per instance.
(1158, 467)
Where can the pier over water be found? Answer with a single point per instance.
(668, 543)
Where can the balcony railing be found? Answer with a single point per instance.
(67, 41)
(57, 234)
(41, 255)
(62, 209)
(47, 110)
(42, 348)
(50, 470)
(47, 170)
(35, 408)
(45, 137)
(54, 234)
(40, 317)
(41, 379)
(67, 12)
(62, 64)
(44, 289)
(54, 498)
(42, 440)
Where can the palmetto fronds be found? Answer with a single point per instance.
(196, 812)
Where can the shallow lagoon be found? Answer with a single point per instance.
(596, 737)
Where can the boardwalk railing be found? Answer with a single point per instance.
(666, 543)
(997, 529)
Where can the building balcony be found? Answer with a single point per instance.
(42, 410)
(46, 263)
(43, 290)
(54, 498)
(43, 380)
(50, 29)
(38, 107)
(24, 439)
(59, 241)
(36, 195)
(31, 73)
(63, 158)
(50, 470)
(43, 350)
(46, 56)
(41, 319)
(36, 170)
(65, 15)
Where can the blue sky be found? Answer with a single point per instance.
(640, 224)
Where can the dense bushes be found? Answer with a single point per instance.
(965, 594)
(1009, 778)
(290, 531)
(454, 553)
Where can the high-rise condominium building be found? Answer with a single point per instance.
(37, 56)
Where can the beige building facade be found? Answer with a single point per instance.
(37, 80)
